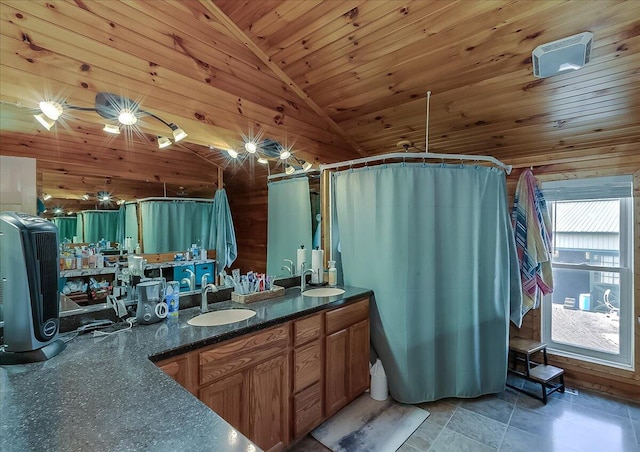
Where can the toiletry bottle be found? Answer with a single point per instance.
(333, 274)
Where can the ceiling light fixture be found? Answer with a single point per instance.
(47, 196)
(251, 147)
(85, 197)
(163, 142)
(58, 210)
(306, 166)
(46, 122)
(51, 109)
(178, 133)
(262, 160)
(127, 117)
(121, 201)
(110, 128)
(233, 154)
(284, 154)
(109, 106)
(288, 169)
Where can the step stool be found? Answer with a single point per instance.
(550, 378)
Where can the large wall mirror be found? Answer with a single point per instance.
(294, 221)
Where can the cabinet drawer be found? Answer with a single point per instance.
(307, 365)
(341, 318)
(238, 354)
(307, 409)
(306, 330)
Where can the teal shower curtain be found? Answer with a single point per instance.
(173, 225)
(289, 222)
(435, 244)
(66, 227)
(131, 223)
(94, 225)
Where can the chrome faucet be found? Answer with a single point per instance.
(290, 267)
(303, 279)
(206, 288)
(187, 281)
(192, 278)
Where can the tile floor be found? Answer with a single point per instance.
(512, 421)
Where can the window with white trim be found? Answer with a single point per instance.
(589, 315)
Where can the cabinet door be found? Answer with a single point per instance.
(358, 358)
(336, 387)
(178, 369)
(226, 398)
(268, 403)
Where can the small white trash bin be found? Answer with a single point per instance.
(379, 388)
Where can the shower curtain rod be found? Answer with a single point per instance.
(295, 173)
(420, 156)
(160, 198)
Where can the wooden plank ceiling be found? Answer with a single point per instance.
(337, 79)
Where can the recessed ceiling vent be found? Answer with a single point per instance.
(562, 55)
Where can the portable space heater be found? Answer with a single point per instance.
(29, 275)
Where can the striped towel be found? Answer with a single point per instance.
(532, 228)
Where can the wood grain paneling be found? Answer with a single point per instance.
(331, 77)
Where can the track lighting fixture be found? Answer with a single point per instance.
(109, 106)
(178, 133)
(163, 142)
(306, 166)
(52, 110)
(110, 128)
(284, 154)
(46, 122)
(251, 147)
(289, 169)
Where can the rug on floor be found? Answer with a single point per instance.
(366, 424)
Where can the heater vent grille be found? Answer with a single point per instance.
(47, 257)
(562, 43)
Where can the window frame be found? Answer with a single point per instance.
(625, 358)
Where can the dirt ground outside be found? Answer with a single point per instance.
(594, 330)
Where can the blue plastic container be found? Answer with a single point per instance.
(207, 268)
(585, 301)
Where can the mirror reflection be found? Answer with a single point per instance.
(293, 224)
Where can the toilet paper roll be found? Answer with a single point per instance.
(301, 258)
(317, 260)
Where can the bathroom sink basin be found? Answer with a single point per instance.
(222, 317)
(323, 292)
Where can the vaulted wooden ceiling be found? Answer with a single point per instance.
(335, 79)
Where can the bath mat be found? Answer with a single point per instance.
(366, 424)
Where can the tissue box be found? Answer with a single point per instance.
(275, 292)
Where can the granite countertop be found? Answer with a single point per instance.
(105, 393)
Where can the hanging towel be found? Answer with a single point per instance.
(532, 228)
(225, 235)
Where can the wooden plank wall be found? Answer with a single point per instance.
(582, 374)
(249, 211)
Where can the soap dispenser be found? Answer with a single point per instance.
(333, 274)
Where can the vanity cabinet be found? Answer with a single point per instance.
(277, 384)
(246, 381)
(179, 369)
(307, 400)
(347, 355)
